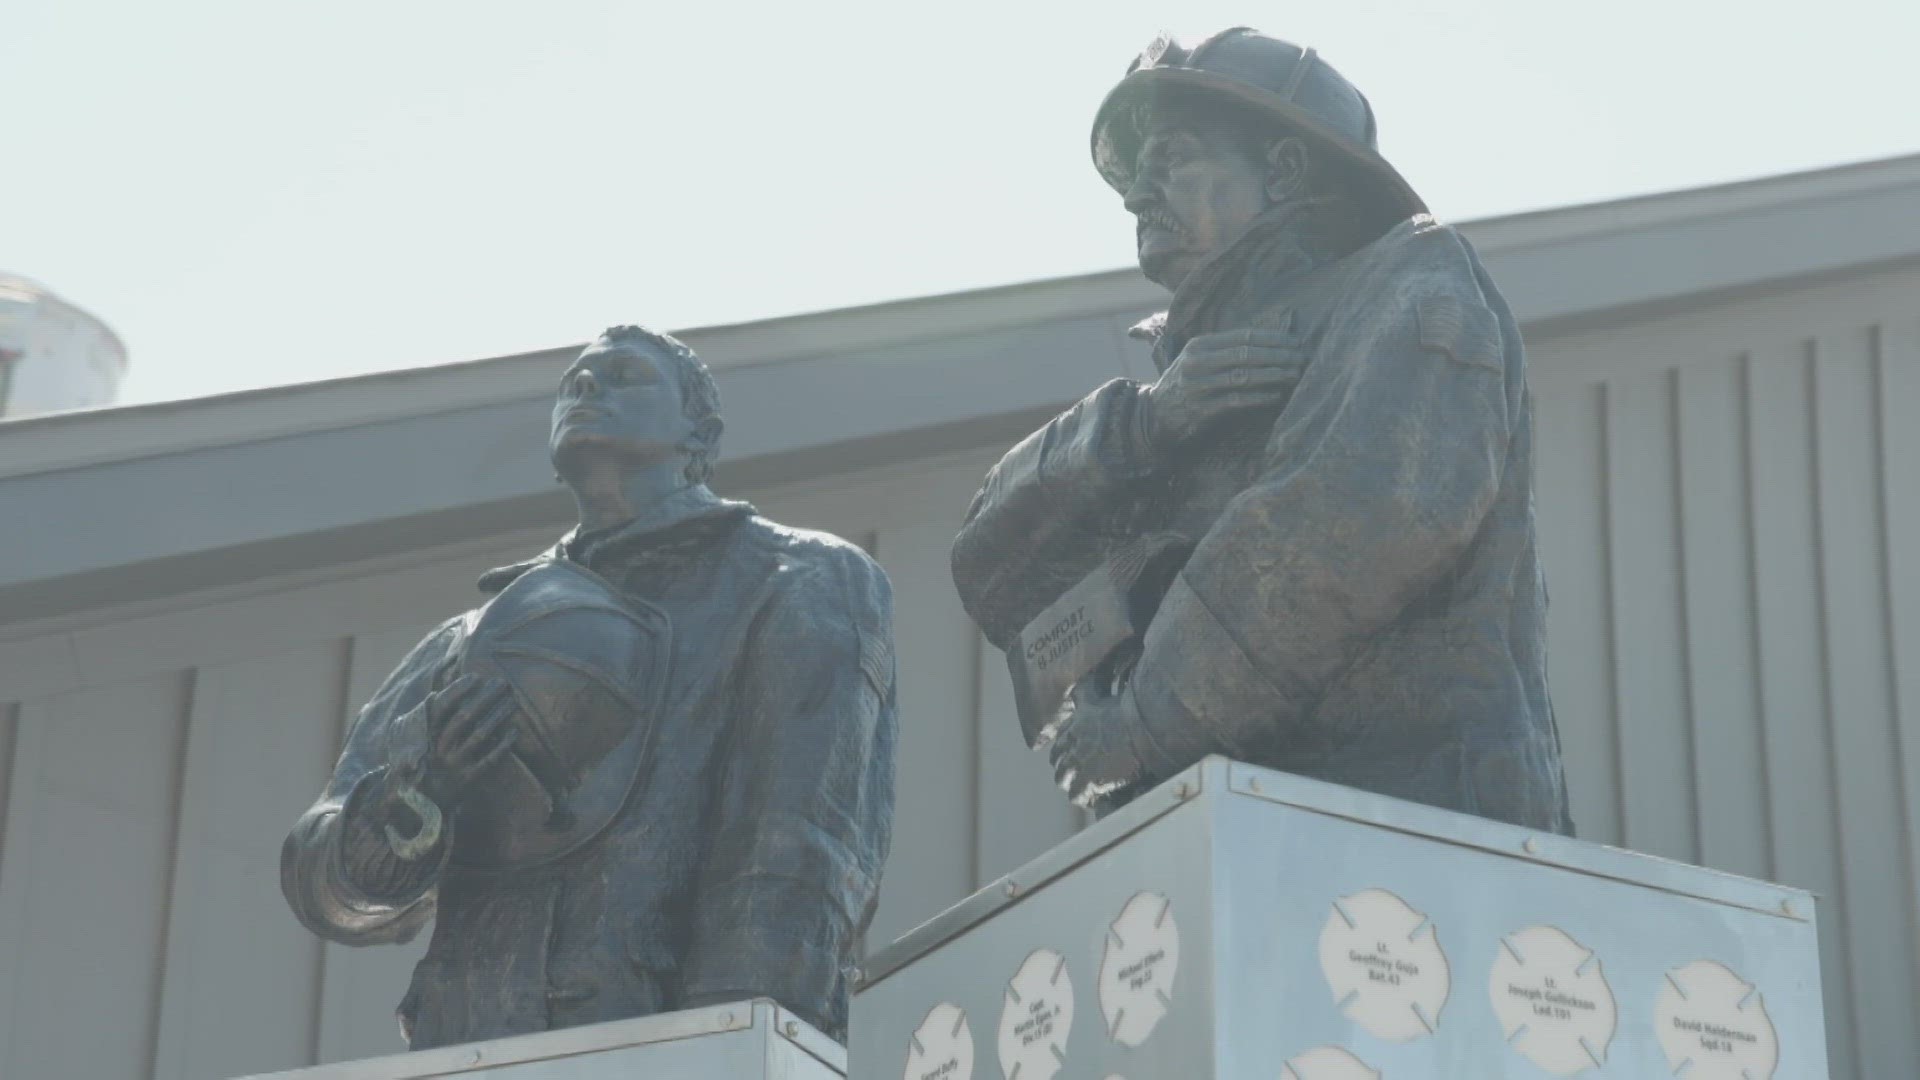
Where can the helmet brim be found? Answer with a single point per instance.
(1116, 134)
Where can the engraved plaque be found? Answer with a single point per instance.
(1136, 971)
(1327, 1063)
(942, 1047)
(1713, 1025)
(1553, 1001)
(1275, 914)
(1036, 1018)
(1065, 642)
(1382, 960)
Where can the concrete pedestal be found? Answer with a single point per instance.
(1238, 922)
(750, 1040)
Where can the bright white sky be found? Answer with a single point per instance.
(256, 193)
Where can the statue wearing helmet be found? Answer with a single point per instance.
(1309, 544)
(653, 771)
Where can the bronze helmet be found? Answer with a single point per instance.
(587, 666)
(1291, 84)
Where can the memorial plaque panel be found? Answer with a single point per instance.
(1036, 1017)
(1291, 906)
(1382, 959)
(1714, 1026)
(942, 1047)
(1553, 1001)
(1137, 972)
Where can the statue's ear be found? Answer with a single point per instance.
(706, 434)
(1287, 163)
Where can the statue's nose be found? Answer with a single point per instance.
(1141, 194)
(584, 384)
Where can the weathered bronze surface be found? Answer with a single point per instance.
(1338, 453)
(653, 771)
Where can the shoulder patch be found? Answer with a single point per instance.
(1464, 331)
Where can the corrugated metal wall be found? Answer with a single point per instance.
(141, 927)
(1730, 504)
(1733, 539)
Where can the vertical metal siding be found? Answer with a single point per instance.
(1859, 709)
(1570, 490)
(1898, 392)
(82, 896)
(932, 863)
(9, 721)
(1731, 526)
(242, 978)
(1716, 551)
(1747, 628)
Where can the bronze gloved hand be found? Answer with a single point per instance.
(470, 722)
(1102, 749)
(1216, 375)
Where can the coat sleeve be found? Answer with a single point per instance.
(336, 869)
(1378, 476)
(805, 815)
(1027, 535)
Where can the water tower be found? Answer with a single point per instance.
(53, 356)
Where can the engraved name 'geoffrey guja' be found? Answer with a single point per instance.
(1381, 968)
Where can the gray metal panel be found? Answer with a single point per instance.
(1900, 443)
(1649, 647)
(9, 727)
(1792, 526)
(210, 499)
(1252, 861)
(1716, 548)
(1336, 800)
(1655, 264)
(253, 618)
(1858, 692)
(748, 1040)
(83, 886)
(1476, 896)
(1017, 884)
(1570, 487)
(1800, 778)
(933, 823)
(1076, 894)
(241, 986)
(1465, 830)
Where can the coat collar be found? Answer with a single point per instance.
(690, 512)
(1270, 255)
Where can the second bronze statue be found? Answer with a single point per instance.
(1338, 454)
